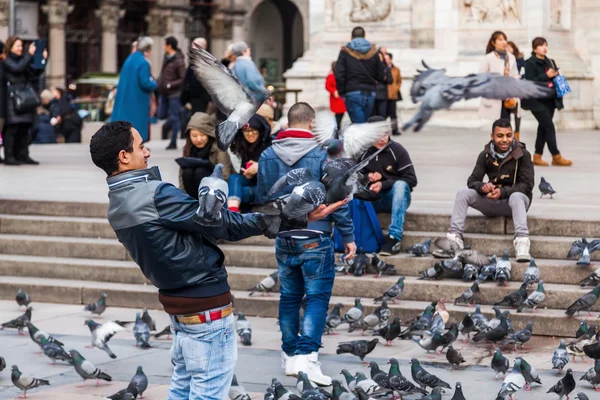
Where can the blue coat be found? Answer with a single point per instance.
(132, 102)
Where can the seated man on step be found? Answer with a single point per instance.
(507, 192)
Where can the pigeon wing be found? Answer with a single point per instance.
(358, 138)
(107, 330)
(594, 246)
(294, 177)
(89, 369)
(576, 249)
(325, 127)
(492, 86)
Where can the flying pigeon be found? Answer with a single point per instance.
(529, 373)
(520, 337)
(86, 369)
(382, 267)
(585, 302)
(130, 392)
(454, 357)
(583, 248)
(470, 296)
(420, 249)
(141, 332)
(532, 273)
(333, 320)
(424, 378)
(140, 380)
(24, 382)
(503, 269)
(534, 299)
(266, 285)
(545, 188)
(148, 320)
(446, 248)
(564, 386)
(54, 351)
(354, 314)
(399, 383)
(359, 348)
(20, 322)
(451, 268)
(22, 298)
(36, 335)
(560, 358)
(227, 92)
(437, 91)
(390, 332)
(500, 363)
(516, 298)
(244, 329)
(393, 293)
(237, 391)
(466, 327)
(98, 307)
(593, 376)
(101, 334)
(513, 382)
(592, 279)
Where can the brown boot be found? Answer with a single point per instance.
(537, 160)
(561, 162)
(518, 136)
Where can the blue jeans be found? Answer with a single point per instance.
(204, 357)
(305, 268)
(395, 200)
(359, 105)
(169, 107)
(242, 189)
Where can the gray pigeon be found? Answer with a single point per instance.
(500, 363)
(585, 302)
(437, 91)
(86, 369)
(454, 357)
(583, 248)
(266, 285)
(359, 348)
(592, 279)
(2, 363)
(19, 323)
(420, 249)
(367, 384)
(529, 373)
(309, 392)
(399, 383)
(227, 92)
(237, 391)
(480, 320)
(466, 327)
(424, 378)
(165, 331)
(503, 270)
(581, 396)
(458, 393)
(333, 320)
(545, 188)
(22, 298)
(534, 299)
(140, 380)
(212, 196)
(130, 390)
(564, 386)
(36, 335)
(98, 307)
(593, 375)
(470, 296)
(532, 273)
(54, 351)
(516, 298)
(101, 334)
(148, 320)
(513, 382)
(281, 393)
(141, 332)
(369, 322)
(469, 272)
(560, 358)
(520, 337)
(339, 392)
(354, 314)
(487, 271)
(24, 382)
(244, 329)
(349, 378)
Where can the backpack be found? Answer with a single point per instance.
(367, 229)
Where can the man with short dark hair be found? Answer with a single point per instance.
(508, 191)
(170, 81)
(359, 67)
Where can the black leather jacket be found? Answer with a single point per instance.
(18, 72)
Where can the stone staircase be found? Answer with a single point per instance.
(67, 253)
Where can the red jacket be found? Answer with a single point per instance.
(337, 106)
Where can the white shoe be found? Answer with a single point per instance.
(309, 364)
(456, 238)
(522, 245)
(287, 363)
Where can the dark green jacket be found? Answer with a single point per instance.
(535, 70)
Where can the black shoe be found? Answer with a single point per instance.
(29, 161)
(171, 147)
(390, 247)
(12, 161)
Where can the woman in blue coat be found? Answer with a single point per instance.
(132, 102)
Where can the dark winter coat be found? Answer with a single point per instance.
(381, 93)
(19, 73)
(394, 164)
(43, 131)
(194, 93)
(358, 68)
(513, 174)
(172, 73)
(535, 70)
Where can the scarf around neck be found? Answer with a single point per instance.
(501, 156)
(504, 57)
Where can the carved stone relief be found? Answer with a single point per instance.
(370, 10)
(491, 11)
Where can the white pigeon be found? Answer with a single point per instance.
(513, 382)
(101, 334)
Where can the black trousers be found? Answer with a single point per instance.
(546, 133)
(380, 108)
(391, 112)
(338, 120)
(16, 141)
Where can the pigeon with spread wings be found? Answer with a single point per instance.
(227, 92)
(436, 91)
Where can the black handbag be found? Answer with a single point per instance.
(25, 99)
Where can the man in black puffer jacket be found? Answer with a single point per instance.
(359, 67)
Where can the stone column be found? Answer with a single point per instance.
(57, 11)
(157, 28)
(109, 13)
(4, 17)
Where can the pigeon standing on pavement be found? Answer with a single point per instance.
(237, 391)
(500, 363)
(130, 392)
(367, 384)
(22, 298)
(333, 320)
(140, 380)
(564, 386)
(244, 329)
(496, 334)
(354, 314)
(399, 383)
(24, 382)
(545, 188)
(420, 249)
(98, 307)
(454, 357)
(534, 299)
(424, 378)
(480, 320)
(148, 320)
(86, 369)
(380, 377)
(560, 358)
(389, 332)
(266, 285)
(339, 392)
(532, 273)
(581, 396)
(466, 327)
(101, 334)
(458, 393)
(516, 298)
(359, 348)
(54, 351)
(2, 363)
(529, 373)
(369, 322)
(583, 248)
(19, 323)
(513, 382)
(585, 302)
(503, 270)
(470, 295)
(309, 392)
(520, 337)
(36, 335)
(393, 293)
(141, 332)
(593, 376)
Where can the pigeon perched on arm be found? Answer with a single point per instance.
(141, 332)
(393, 293)
(470, 296)
(212, 196)
(420, 249)
(24, 382)
(584, 249)
(359, 348)
(244, 329)
(560, 358)
(513, 382)
(564, 386)
(333, 320)
(101, 334)
(20, 322)
(424, 378)
(22, 298)
(98, 307)
(86, 369)
(500, 363)
(266, 285)
(545, 188)
(534, 299)
(585, 302)
(532, 273)
(140, 380)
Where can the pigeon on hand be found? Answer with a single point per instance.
(393, 293)
(513, 382)
(22, 298)
(532, 273)
(534, 299)
(140, 380)
(585, 302)
(212, 196)
(516, 298)
(437, 91)
(583, 248)
(466, 327)
(166, 331)
(227, 92)
(520, 337)
(545, 188)
(503, 270)
(454, 357)
(564, 386)
(399, 383)
(148, 320)
(458, 393)
(101, 334)
(141, 332)
(560, 358)
(593, 376)
(237, 391)
(130, 392)
(244, 329)
(470, 296)
(98, 307)
(390, 332)
(354, 314)
(592, 279)
(529, 373)
(500, 363)
(420, 249)
(339, 392)
(36, 335)
(424, 378)
(266, 285)
(359, 348)
(333, 320)
(54, 351)
(20, 322)
(24, 382)
(382, 267)
(86, 369)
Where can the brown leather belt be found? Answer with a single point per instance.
(205, 316)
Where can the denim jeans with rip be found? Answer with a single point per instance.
(395, 201)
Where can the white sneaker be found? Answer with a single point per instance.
(456, 238)
(309, 364)
(522, 245)
(287, 363)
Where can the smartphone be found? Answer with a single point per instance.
(37, 61)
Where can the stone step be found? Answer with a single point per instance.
(56, 226)
(546, 321)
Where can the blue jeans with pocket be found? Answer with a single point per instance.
(169, 108)
(242, 189)
(359, 105)
(306, 268)
(205, 356)
(395, 201)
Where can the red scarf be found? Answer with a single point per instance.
(295, 134)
